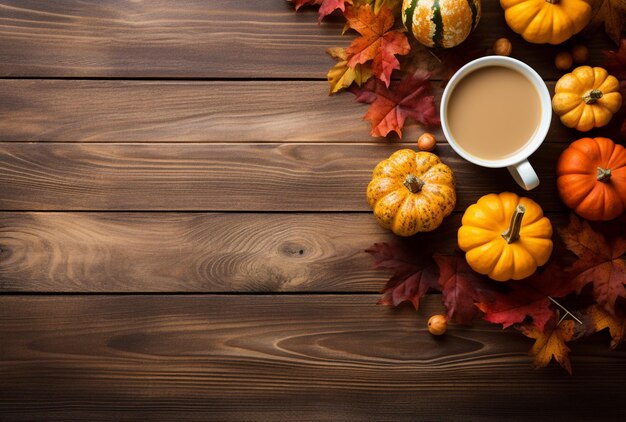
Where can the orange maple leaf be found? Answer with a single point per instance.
(601, 261)
(551, 343)
(378, 42)
(601, 319)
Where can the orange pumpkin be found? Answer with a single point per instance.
(592, 178)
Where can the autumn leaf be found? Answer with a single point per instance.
(412, 276)
(326, 6)
(378, 41)
(512, 308)
(601, 261)
(528, 298)
(411, 97)
(341, 75)
(551, 343)
(611, 13)
(601, 319)
(461, 287)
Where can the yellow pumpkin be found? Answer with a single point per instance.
(546, 21)
(586, 98)
(411, 192)
(505, 237)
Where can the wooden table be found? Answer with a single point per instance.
(183, 225)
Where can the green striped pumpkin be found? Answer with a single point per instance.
(440, 23)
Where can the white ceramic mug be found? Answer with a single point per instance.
(518, 164)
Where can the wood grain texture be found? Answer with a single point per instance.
(280, 358)
(227, 177)
(219, 39)
(193, 252)
(170, 252)
(193, 111)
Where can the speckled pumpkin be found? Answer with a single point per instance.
(440, 23)
(411, 192)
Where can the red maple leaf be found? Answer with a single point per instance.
(461, 287)
(528, 298)
(412, 276)
(378, 42)
(601, 259)
(411, 97)
(326, 6)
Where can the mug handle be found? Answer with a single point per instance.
(524, 175)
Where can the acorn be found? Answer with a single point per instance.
(502, 47)
(563, 60)
(580, 53)
(437, 325)
(426, 142)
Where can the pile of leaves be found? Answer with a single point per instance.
(589, 284)
(365, 67)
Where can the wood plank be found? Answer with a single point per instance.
(178, 252)
(226, 177)
(193, 252)
(273, 357)
(193, 111)
(226, 39)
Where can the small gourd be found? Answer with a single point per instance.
(546, 21)
(442, 23)
(586, 98)
(505, 237)
(411, 192)
(592, 178)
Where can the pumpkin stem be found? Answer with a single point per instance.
(604, 175)
(512, 233)
(413, 183)
(592, 96)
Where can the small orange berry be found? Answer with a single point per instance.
(426, 142)
(437, 325)
(563, 60)
(502, 47)
(580, 53)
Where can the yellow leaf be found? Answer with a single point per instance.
(602, 319)
(341, 75)
(551, 343)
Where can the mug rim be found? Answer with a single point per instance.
(546, 109)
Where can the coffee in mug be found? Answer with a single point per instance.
(495, 112)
